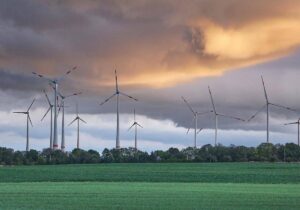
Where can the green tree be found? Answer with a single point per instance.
(267, 152)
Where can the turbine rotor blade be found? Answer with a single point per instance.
(202, 113)
(232, 117)
(66, 74)
(253, 116)
(59, 107)
(265, 91)
(190, 108)
(293, 123)
(131, 127)
(73, 69)
(43, 77)
(72, 121)
(60, 95)
(46, 113)
(116, 77)
(31, 105)
(128, 96)
(283, 107)
(20, 112)
(106, 100)
(139, 125)
(47, 98)
(30, 120)
(82, 120)
(74, 94)
(199, 130)
(212, 100)
(187, 131)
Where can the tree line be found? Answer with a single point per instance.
(264, 152)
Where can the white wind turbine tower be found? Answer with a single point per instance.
(78, 119)
(298, 125)
(268, 103)
(117, 93)
(51, 118)
(217, 116)
(55, 82)
(62, 106)
(27, 125)
(195, 115)
(135, 125)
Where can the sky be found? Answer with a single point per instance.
(162, 50)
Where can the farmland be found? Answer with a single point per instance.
(264, 173)
(151, 186)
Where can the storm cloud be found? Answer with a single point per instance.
(162, 50)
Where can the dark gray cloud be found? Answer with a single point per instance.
(10, 80)
(39, 15)
(147, 41)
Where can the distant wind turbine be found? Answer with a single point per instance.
(78, 119)
(217, 116)
(27, 125)
(117, 93)
(135, 125)
(55, 82)
(195, 115)
(298, 125)
(199, 130)
(268, 103)
(62, 106)
(51, 118)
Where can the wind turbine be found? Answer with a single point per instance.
(217, 116)
(199, 130)
(268, 103)
(27, 125)
(196, 115)
(62, 106)
(298, 125)
(135, 125)
(55, 82)
(117, 93)
(78, 119)
(51, 118)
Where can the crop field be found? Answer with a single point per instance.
(152, 186)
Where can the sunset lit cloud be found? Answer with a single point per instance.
(169, 41)
(162, 50)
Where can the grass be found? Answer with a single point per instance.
(141, 195)
(263, 173)
(151, 186)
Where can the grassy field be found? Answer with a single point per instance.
(151, 186)
(142, 195)
(263, 173)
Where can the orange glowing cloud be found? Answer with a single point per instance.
(234, 47)
(261, 38)
(221, 47)
(152, 43)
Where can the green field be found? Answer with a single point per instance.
(152, 186)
